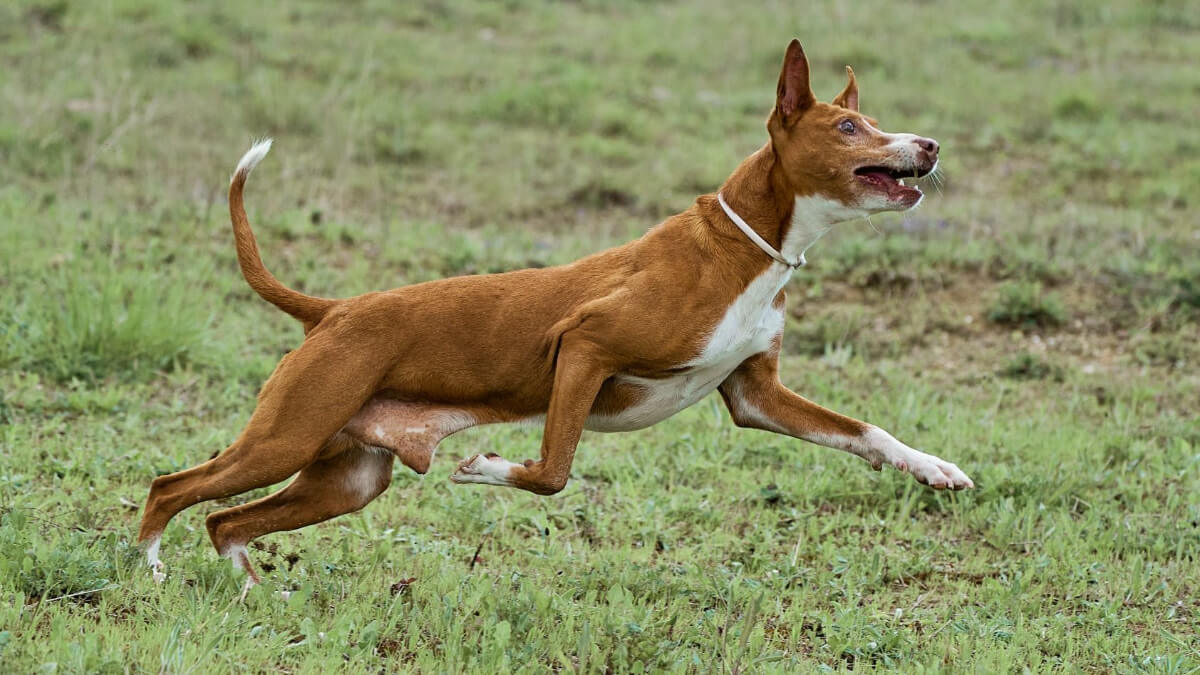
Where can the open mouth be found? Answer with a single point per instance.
(891, 181)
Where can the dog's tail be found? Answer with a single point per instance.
(306, 308)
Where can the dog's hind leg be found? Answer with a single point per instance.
(312, 393)
(332, 486)
(354, 468)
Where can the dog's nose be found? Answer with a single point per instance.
(928, 145)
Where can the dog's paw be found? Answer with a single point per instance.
(933, 471)
(157, 568)
(251, 582)
(156, 565)
(489, 469)
(156, 571)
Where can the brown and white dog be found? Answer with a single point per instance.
(616, 341)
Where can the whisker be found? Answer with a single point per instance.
(872, 224)
(937, 179)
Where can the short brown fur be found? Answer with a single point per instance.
(391, 373)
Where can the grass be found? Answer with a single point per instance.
(1027, 366)
(1036, 322)
(112, 322)
(1024, 304)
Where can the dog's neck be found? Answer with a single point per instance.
(758, 191)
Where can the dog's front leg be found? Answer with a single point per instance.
(578, 377)
(757, 399)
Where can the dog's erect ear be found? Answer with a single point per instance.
(794, 95)
(848, 99)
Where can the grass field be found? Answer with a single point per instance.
(1037, 322)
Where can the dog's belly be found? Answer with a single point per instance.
(658, 399)
(409, 430)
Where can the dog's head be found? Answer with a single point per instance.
(832, 150)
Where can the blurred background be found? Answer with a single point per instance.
(1035, 321)
(416, 140)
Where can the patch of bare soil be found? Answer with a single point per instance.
(943, 330)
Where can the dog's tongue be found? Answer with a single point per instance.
(894, 189)
(881, 177)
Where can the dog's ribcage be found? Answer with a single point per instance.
(747, 328)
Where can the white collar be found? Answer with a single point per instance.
(754, 237)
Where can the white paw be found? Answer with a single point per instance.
(250, 583)
(490, 469)
(156, 565)
(933, 471)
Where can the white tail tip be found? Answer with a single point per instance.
(253, 156)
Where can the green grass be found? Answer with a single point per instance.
(111, 322)
(1036, 322)
(1025, 304)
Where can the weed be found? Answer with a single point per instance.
(1078, 106)
(1026, 305)
(1026, 366)
(113, 322)
(831, 329)
(1174, 350)
(39, 566)
(1187, 295)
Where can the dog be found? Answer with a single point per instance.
(616, 341)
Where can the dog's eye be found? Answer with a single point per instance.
(846, 127)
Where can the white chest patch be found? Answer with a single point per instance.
(747, 328)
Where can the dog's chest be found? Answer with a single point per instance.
(747, 327)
